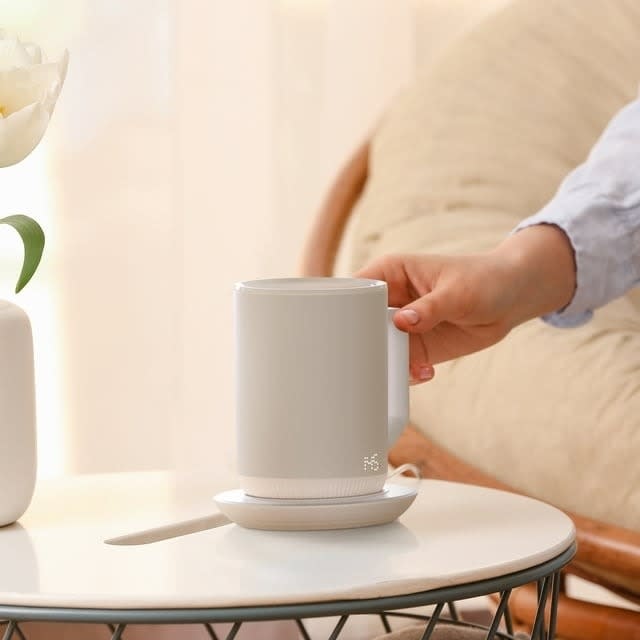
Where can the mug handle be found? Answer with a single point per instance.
(397, 378)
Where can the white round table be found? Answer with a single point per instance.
(456, 541)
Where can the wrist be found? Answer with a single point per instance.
(541, 261)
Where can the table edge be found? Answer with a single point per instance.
(285, 611)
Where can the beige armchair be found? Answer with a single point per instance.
(607, 555)
(481, 139)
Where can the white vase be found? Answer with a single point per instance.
(17, 413)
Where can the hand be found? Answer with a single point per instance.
(453, 306)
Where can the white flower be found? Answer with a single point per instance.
(29, 89)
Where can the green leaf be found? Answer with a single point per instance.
(33, 240)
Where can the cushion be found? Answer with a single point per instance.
(480, 140)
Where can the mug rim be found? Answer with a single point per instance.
(310, 285)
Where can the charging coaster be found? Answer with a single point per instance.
(318, 513)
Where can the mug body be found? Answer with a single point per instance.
(311, 386)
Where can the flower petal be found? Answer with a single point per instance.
(33, 51)
(13, 54)
(22, 86)
(21, 132)
(63, 65)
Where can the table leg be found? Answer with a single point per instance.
(119, 630)
(9, 631)
(303, 630)
(233, 631)
(433, 620)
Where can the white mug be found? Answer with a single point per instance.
(321, 386)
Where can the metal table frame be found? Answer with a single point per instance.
(546, 575)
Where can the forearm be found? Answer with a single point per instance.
(541, 269)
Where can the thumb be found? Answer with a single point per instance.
(423, 314)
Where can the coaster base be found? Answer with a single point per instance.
(318, 513)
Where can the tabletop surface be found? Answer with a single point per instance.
(452, 534)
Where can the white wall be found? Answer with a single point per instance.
(271, 98)
(190, 148)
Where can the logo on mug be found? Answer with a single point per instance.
(372, 463)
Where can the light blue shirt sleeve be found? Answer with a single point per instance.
(598, 207)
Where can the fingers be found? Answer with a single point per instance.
(426, 375)
(376, 270)
(416, 316)
(420, 369)
(418, 319)
(423, 314)
(390, 269)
